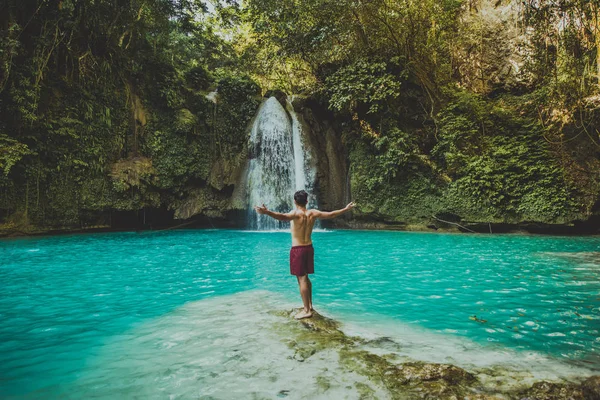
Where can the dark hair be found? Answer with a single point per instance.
(301, 198)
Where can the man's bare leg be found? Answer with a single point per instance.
(310, 294)
(304, 284)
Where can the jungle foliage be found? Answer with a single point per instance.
(103, 107)
(485, 110)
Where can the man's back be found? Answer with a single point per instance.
(302, 225)
(303, 220)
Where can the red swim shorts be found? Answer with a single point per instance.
(302, 260)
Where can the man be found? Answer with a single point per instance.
(302, 253)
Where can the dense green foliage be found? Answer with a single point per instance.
(487, 111)
(103, 106)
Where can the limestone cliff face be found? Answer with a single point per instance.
(330, 155)
(224, 191)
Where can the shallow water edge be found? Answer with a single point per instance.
(248, 345)
(206, 313)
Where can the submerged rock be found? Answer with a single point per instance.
(318, 323)
(592, 257)
(413, 372)
(553, 391)
(591, 388)
(410, 380)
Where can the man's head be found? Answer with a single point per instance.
(301, 198)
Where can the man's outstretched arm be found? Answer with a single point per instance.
(279, 216)
(336, 213)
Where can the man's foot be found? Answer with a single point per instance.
(303, 314)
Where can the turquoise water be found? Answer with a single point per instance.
(65, 299)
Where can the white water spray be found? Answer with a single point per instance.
(278, 164)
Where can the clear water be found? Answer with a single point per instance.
(160, 313)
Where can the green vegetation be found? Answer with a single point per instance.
(103, 106)
(487, 111)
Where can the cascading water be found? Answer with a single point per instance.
(306, 172)
(279, 164)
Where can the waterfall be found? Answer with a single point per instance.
(279, 164)
(306, 171)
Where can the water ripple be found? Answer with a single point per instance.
(64, 297)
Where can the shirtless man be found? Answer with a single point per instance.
(302, 253)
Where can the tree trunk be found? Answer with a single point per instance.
(37, 203)
(26, 199)
(596, 30)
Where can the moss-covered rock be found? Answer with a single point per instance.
(204, 201)
(278, 94)
(552, 391)
(409, 379)
(591, 388)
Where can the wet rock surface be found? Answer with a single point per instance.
(413, 379)
(591, 388)
(552, 391)
(325, 142)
